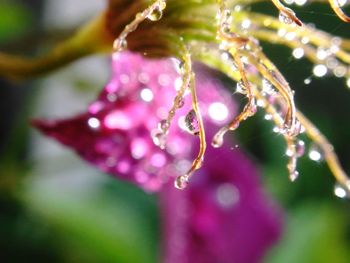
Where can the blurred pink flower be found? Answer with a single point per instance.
(223, 216)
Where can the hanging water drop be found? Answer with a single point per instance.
(290, 151)
(267, 87)
(159, 139)
(191, 122)
(252, 110)
(180, 69)
(156, 14)
(340, 191)
(180, 103)
(181, 182)
(300, 148)
(268, 116)
(94, 123)
(120, 44)
(163, 125)
(315, 153)
(285, 16)
(217, 141)
(240, 88)
(348, 82)
(293, 176)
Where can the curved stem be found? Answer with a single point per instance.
(90, 39)
(337, 9)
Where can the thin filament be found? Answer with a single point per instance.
(337, 9)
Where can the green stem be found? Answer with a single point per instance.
(92, 38)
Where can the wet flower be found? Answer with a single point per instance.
(122, 128)
(224, 216)
(225, 35)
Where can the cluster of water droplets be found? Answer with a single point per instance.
(230, 43)
(160, 136)
(323, 50)
(154, 13)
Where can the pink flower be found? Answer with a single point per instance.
(223, 216)
(115, 133)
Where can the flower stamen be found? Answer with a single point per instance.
(153, 13)
(336, 6)
(182, 180)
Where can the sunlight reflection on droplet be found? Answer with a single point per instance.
(218, 111)
(298, 53)
(146, 95)
(94, 123)
(227, 195)
(320, 70)
(339, 191)
(315, 155)
(348, 82)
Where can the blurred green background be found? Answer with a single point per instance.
(55, 208)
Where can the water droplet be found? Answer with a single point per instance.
(260, 103)
(340, 71)
(246, 23)
(143, 78)
(284, 17)
(320, 70)
(315, 153)
(322, 53)
(268, 116)
(94, 123)
(227, 195)
(307, 81)
(252, 111)
(156, 14)
(340, 191)
(139, 148)
(218, 140)
(300, 148)
(290, 151)
(341, 3)
(192, 124)
(112, 97)
(163, 125)
(240, 88)
(293, 176)
(218, 111)
(146, 95)
(131, 27)
(159, 139)
(162, 4)
(267, 87)
(181, 182)
(300, 2)
(180, 67)
(227, 14)
(276, 129)
(180, 103)
(298, 53)
(120, 44)
(226, 28)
